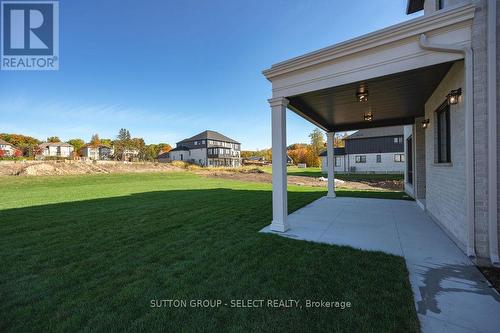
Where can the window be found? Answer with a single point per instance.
(361, 159)
(338, 161)
(210, 142)
(182, 157)
(202, 142)
(196, 143)
(443, 133)
(399, 157)
(409, 162)
(398, 139)
(379, 158)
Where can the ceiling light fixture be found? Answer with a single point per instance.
(368, 116)
(425, 123)
(362, 96)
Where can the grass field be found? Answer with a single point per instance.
(316, 172)
(90, 253)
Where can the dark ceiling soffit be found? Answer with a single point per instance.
(371, 124)
(414, 6)
(307, 113)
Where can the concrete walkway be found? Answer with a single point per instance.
(451, 295)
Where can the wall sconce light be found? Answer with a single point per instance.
(425, 123)
(453, 96)
(368, 116)
(362, 96)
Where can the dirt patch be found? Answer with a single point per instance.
(262, 177)
(251, 174)
(392, 185)
(55, 168)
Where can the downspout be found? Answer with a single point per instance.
(469, 130)
(492, 134)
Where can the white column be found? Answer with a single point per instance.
(280, 200)
(330, 156)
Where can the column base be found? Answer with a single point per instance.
(331, 195)
(279, 226)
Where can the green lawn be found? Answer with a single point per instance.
(89, 253)
(316, 172)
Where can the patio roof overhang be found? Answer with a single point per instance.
(390, 63)
(395, 99)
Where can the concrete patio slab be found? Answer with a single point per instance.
(450, 293)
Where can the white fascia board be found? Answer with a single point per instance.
(384, 36)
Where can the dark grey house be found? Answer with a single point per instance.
(208, 148)
(371, 150)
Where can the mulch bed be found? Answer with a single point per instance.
(493, 275)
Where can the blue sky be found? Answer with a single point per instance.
(167, 70)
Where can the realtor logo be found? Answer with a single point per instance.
(29, 35)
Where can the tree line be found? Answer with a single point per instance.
(28, 146)
(307, 153)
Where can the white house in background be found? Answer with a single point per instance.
(437, 75)
(209, 148)
(370, 150)
(7, 148)
(101, 152)
(55, 149)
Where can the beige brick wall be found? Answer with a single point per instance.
(445, 184)
(420, 159)
(479, 38)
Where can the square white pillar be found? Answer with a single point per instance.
(330, 156)
(280, 199)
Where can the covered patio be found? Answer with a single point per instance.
(449, 291)
(381, 79)
(400, 75)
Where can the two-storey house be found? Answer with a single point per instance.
(370, 150)
(209, 148)
(101, 152)
(55, 149)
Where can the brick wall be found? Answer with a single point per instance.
(479, 38)
(419, 163)
(445, 183)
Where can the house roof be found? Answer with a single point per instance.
(377, 132)
(337, 151)
(414, 6)
(163, 155)
(180, 148)
(209, 135)
(54, 144)
(3, 142)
